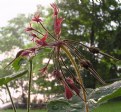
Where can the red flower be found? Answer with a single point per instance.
(70, 87)
(68, 92)
(37, 19)
(55, 9)
(29, 28)
(71, 84)
(42, 41)
(57, 25)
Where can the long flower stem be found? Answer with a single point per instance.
(78, 74)
(14, 108)
(47, 31)
(29, 91)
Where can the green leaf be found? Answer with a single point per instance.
(7, 79)
(17, 63)
(112, 95)
(58, 106)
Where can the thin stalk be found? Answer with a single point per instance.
(38, 32)
(71, 73)
(96, 75)
(47, 31)
(76, 50)
(50, 57)
(60, 67)
(91, 69)
(77, 42)
(54, 62)
(29, 91)
(65, 80)
(68, 70)
(78, 74)
(105, 54)
(14, 108)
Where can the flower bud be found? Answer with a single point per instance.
(85, 63)
(68, 92)
(72, 85)
(94, 50)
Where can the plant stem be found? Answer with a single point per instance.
(14, 108)
(78, 75)
(29, 91)
(47, 31)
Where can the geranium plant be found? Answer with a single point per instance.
(73, 83)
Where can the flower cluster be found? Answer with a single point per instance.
(72, 83)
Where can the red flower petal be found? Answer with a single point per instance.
(44, 37)
(57, 25)
(34, 36)
(29, 28)
(68, 92)
(71, 84)
(55, 9)
(37, 19)
(42, 41)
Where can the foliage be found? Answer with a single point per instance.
(58, 105)
(61, 105)
(109, 107)
(6, 79)
(110, 96)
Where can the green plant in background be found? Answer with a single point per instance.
(73, 83)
